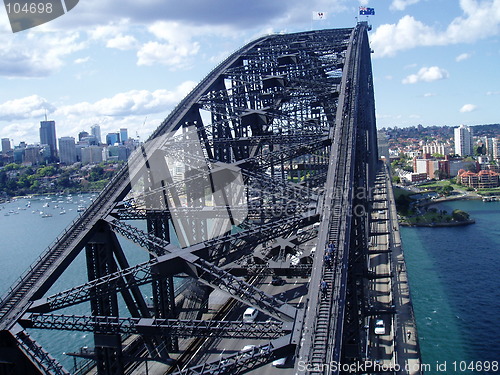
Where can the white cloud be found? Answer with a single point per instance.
(493, 93)
(479, 20)
(462, 57)
(434, 73)
(402, 4)
(122, 42)
(166, 54)
(28, 107)
(429, 94)
(38, 55)
(133, 102)
(468, 108)
(82, 60)
(109, 30)
(21, 131)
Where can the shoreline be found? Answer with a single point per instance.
(444, 224)
(433, 225)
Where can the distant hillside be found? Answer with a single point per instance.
(430, 132)
(491, 130)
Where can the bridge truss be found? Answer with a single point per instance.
(274, 148)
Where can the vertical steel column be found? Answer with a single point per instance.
(163, 289)
(100, 262)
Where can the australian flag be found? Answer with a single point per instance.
(364, 11)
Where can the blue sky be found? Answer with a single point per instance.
(128, 63)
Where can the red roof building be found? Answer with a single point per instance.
(485, 179)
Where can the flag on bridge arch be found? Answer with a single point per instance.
(364, 11)
(318, 15)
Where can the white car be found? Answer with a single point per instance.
(379, 327)
(250, 314)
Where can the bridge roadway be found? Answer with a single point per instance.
(389, 297)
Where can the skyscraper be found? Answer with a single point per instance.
(67, 150)
(82, 134)
(463, 141)
(95, 130)
(6, 145)
(48, 137)
(112, 138)
(123, 135)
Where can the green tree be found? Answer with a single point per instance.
(440, 175)
(96, 173)
(459, 215)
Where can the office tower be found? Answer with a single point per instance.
(67, 150)
(6, 145)
(81, 135)
(463, 141)
(48, 137)
(496, 149)
(91, 154)
(112, 138)
(33, 154)
(95, 130)
(123, 135)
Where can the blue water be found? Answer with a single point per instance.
(454, 281)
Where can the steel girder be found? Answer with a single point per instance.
(155, 326)
(40, 358)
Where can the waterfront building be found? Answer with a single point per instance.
(95, 130)
(463, 141)
(67, 150)
(416, 177)
(485, 179)
(48, 137)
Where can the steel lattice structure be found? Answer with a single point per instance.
(276, 138)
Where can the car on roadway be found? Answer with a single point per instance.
(284, 362)
(250, 314)
(379, 327)
(277, 280)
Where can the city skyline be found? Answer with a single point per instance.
(434, 63)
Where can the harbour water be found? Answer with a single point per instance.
(453, 277)
(454, 282)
